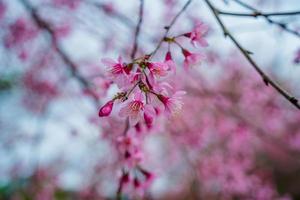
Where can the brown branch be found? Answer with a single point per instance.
(267, 80)
(268, 19)
(137, 30)
(256, 14)
(168, 28)
(42, 24)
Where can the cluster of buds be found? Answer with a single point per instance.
(133, 174)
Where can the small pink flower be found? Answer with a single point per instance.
(173, 104)
(197, 35)
(133, 109)
(169, 61)
(158, 69)
(191, 59)
(106, 109)
(149, 113)
(117, 72)
(136, 109)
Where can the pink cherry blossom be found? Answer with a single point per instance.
(197, 35)
(133, 109)
(174, 103)
(191, 59)
(117, 72)
(158, 69)
(170, 62)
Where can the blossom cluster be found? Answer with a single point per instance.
(145, 94)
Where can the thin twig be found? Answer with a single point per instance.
(267, 80)
(137, 30)
(256, 14)
(267, 18)
(168, 28)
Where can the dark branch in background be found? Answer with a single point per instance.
(267, 16)
(257, 14)
(42, 24)
(137, 30)
(119, 17)
(168, 28)
(123, 18)
(267, 80)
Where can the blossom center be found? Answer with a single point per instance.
(136, 106)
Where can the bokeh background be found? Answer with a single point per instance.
(235, 138)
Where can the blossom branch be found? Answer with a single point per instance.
(267, 80)
(137, 30)
(44, 25)
(267, 17)
(132, 55)
(168, 28)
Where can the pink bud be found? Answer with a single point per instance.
(187, 34)
(138, 127)
(125, 178)
(163, 99)
(168, 56)
(147, 174)
(186, 53)
(148, 120)
(136, 183)
(106, 109)
(127, 154)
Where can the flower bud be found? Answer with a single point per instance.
(148, 120)
(106, 109)
(168, 56)
(136, 182)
